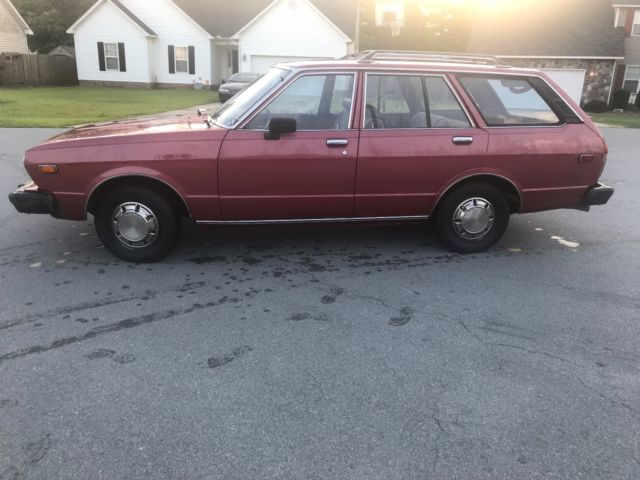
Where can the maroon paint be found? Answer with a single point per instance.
(383, 173)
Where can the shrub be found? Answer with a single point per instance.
(596, 106)
(621, 98)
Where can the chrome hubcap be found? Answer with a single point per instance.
(474, 218)
(135, 225)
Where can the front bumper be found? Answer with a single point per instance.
(597, 195)
(28, 198)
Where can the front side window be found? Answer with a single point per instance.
(182, 59)
(111, 56)
(509, 102)
(407, 101)
(316, 102)
(632, 78)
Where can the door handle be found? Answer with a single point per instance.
(463, 140)
(337, 142)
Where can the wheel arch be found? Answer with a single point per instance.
(507, 186)
(155, 184)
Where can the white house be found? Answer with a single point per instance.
(13, 29)
(179, 42)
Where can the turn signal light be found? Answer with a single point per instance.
(48, 169)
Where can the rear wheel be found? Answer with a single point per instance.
(137, 224)
(472, 218)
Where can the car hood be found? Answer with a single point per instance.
(138, 126)
(234, 85)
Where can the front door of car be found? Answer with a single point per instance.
(416, 137)
(306, 174)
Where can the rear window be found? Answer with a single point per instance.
(509, 102)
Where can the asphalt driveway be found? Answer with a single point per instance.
(350, 352)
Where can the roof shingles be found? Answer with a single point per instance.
(220, 18)
(549, 28)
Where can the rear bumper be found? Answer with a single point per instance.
(597, 195)
(29, 199)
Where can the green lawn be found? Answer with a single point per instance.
(66, 106)
(627, 120)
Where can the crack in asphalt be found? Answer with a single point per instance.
(127, 323)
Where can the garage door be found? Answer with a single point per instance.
(262, 63)
(571, 81)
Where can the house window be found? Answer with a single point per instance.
(632, 78)
(635, 31)
(182, 60)
(111, 56)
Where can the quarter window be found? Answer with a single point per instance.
(407, 101)
(635, 31)
(509, 102)
(182, 59)
(632, 78)
(316, 102)
(111, 56)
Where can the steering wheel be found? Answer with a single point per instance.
(374, 121)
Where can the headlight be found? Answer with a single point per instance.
(223, 90)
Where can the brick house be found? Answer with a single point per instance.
(627, 17)
(578, 43)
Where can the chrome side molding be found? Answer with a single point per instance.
(313, 220)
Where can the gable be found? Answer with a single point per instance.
(225, 19)
(106, 18)
(548, 28)
(98, 8)
(289, 22)
(10, 19)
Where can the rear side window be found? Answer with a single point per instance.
(509, 102)
(408, 101)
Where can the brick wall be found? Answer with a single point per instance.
(599, 73)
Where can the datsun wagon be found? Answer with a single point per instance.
(376, 137)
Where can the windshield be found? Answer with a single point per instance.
(235, 108)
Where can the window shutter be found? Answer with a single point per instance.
(103, 66)
(172, 60)
(628, 27)
(192, 61)
(123, 60)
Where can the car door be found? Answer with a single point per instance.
(307, 174)
(416, 136)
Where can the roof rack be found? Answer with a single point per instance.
(417, 56)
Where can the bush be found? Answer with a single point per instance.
(596, 106)
(621, 98)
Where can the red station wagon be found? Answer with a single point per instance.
(380, 136)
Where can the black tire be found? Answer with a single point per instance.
(454, 235)
(160, 237)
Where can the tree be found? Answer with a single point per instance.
(433, 25)
(50, 19)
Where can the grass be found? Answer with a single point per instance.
(626, 120)
(66, 106)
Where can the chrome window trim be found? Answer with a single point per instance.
(521, 75)
(314, 220)
(295, 77)
(472, 123)
(420, 70)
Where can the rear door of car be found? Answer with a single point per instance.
(416, 136)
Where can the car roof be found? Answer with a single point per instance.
(403, 65)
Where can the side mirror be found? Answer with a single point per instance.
(280, 126)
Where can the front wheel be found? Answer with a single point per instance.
(137, 224)
(472, 218)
